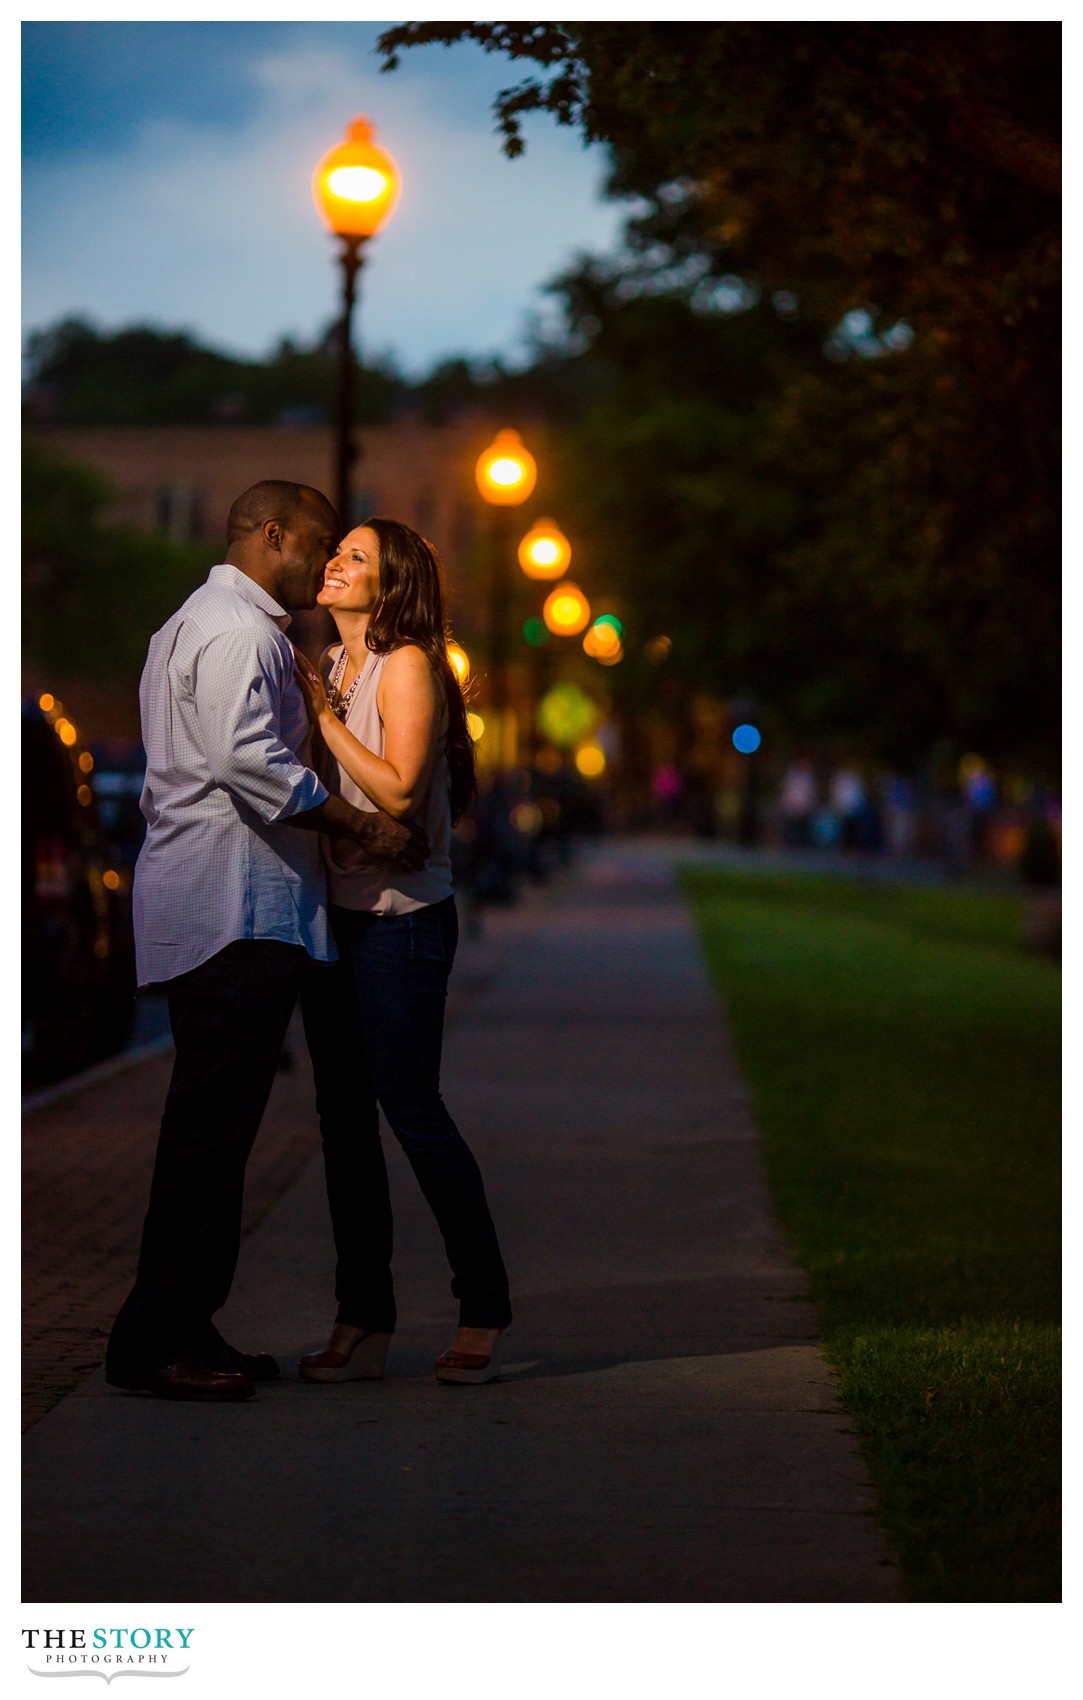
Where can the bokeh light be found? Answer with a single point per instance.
(475, 725)
(657, 650)
(536, 631)
(602, 641)
(566, 610)
(590, 760)
(527, 819)
(544, 552)
(746, 739)
(506, 471)
(460, 662)
(566, 714)
(66, 732)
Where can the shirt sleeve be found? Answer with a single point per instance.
(237, 690)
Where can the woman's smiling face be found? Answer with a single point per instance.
(351, 579)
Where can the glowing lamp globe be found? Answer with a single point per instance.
(566, 610)
(506, 472)
(356, 186)
(545, 552)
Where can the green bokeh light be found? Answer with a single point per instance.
(566, 714)
(535, 631)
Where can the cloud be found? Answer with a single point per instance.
(212, 226)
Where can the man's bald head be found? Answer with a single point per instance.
(282, 535)
(272, 499)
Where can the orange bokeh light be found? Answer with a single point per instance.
(566, 610)
(545, 552)
(506, 472)
(460, 662)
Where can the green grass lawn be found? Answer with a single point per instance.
(903, 1054)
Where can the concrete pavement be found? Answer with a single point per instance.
(667, 1428)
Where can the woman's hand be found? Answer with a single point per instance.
(316, 704)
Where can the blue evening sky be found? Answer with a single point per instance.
(167, 172)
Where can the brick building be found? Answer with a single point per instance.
(180, 481)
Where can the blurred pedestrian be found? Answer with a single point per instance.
(229, 902)
(797, 803)
(847, 797)
(390, 713)
(900, 815)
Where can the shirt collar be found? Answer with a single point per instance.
(232, 578)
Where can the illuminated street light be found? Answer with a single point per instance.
(566, 610)
(506, 472)
(545, 552)
(356, 187)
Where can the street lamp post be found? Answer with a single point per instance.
(355, 187)
(506, 473)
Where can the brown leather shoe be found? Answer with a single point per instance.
(191, 1378)
(257, 1366)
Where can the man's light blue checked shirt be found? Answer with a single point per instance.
(227, 739)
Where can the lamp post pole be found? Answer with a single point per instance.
(499, 607)
(355, 187)
(347, 451)
(506, 473)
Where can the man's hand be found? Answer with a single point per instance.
(312, 687)
(380, 837)
(385, 839)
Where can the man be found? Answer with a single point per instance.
(229, 902)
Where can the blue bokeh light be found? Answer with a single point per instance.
(746, 739)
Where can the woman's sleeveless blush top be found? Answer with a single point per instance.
(384, 890)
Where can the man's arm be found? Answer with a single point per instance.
(379, 836)
(237, 692)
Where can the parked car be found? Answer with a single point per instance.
(78, 950)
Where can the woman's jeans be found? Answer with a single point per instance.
(374, 1023)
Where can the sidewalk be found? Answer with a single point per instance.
(666, 1428)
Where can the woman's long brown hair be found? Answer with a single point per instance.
(410, 609)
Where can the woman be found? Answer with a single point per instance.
(392, 721)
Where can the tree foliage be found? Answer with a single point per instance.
(854, 484)
(143, 375)
(92, 594)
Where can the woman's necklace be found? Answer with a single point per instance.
(339, 703)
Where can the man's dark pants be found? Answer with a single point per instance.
(229, 1018)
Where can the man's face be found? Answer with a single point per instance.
(307, 543)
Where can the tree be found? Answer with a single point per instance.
(142, 375)
(93, 594)
(890, 191)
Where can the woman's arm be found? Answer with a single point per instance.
(409, 699)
